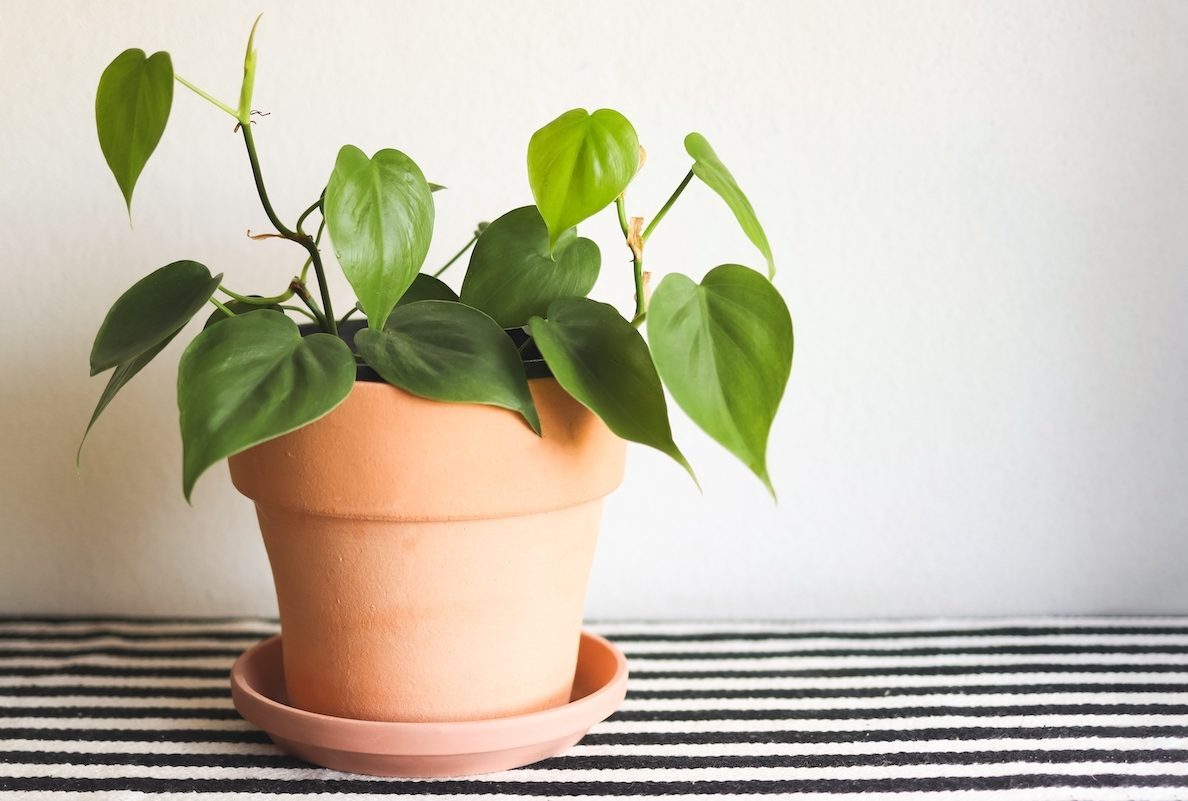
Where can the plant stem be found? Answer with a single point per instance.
(302, 293)
(281, 298)
(347, 316)
(301, 310)
(205, 96)
(667, 205)
(222, 308)
(328, 322)
(308, 261)
(457, 255)
(315, 207)
(636, 247)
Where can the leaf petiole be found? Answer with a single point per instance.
(222, 308)
(460, 253)
(667, 205)
(206, 96)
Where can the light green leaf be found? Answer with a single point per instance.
(447, 351)
(249, 76)
(511, 276)
(710, 169)
(151, 311)
(379, 212)
(252, 378)
(602, 361)
(578, 164)
(426, 287)
(131, 108)
(724, 350)
(119, 377)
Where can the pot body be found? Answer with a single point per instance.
(431, 559)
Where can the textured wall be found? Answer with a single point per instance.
(978, 212)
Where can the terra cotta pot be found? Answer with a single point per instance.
(430, 558)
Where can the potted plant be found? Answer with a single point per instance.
(428, 469)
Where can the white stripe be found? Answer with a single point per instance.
(892, 724)
(682, 627)
(134, 747)
(156, 724)
(100, 660)
(147, 683)
(1088, 642)
(967, 660)
(643, 775)
(1005, 680)
(108, 641)
(238, 625)
(146, 700)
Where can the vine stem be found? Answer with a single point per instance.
(667, 205)
(281, 298)
(328, 322)
(206, 96)
(221, 307)
(635, 243)
(457, 255)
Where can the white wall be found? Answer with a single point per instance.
(979, 211)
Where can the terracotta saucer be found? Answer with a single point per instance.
(427, 749)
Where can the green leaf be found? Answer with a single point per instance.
(249, 76)
(447, 351)
(239, 307)
(250, 379)
(121, 376)
(511, 276)
(578, 164)
(131, 108)
(710, 169)
(602, 361)
(151, 311)
(426, 287)
(379, 212)
(724, 350)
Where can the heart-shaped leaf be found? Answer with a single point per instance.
(602, 361)
(119, 377)
(379, 212)
(426, 287)
(131, 108)
(151, 311)
(252, 378)
(447, 351)
(511, 276)
(710, 169)
(578, 164)
(724, 350)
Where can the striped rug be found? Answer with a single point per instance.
(1061, 708)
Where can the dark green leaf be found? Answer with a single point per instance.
(379, 212)
(250, 379)
(602, 361)
(131, 108)
(151, 311)
(121, 376)
(511, 276)
(239, 307)
(724, 350)
(710, 169)
(426, 287)
(447, 351)
(578, 164)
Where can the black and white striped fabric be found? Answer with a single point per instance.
(1068, 708)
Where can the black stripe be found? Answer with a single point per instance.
(593, 788)
(959, 733)
(908, 670)
(575, 761)
(139, 636)
(120, 671)
(957, 650)
(895, 713)
(120, 712)
(82, 691)
(906, 634)
(151, 620)
(14, 652)
(136, 735)
(894, 692)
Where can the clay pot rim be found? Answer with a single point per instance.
(426, 738)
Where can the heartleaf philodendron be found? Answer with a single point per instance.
(578, 164)
(511, 276)
(379, 212)
(710, 169)
(252, 378)
(723, 347)
(601, 360)
(131, 109)
(448, 351)
(724, 350)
